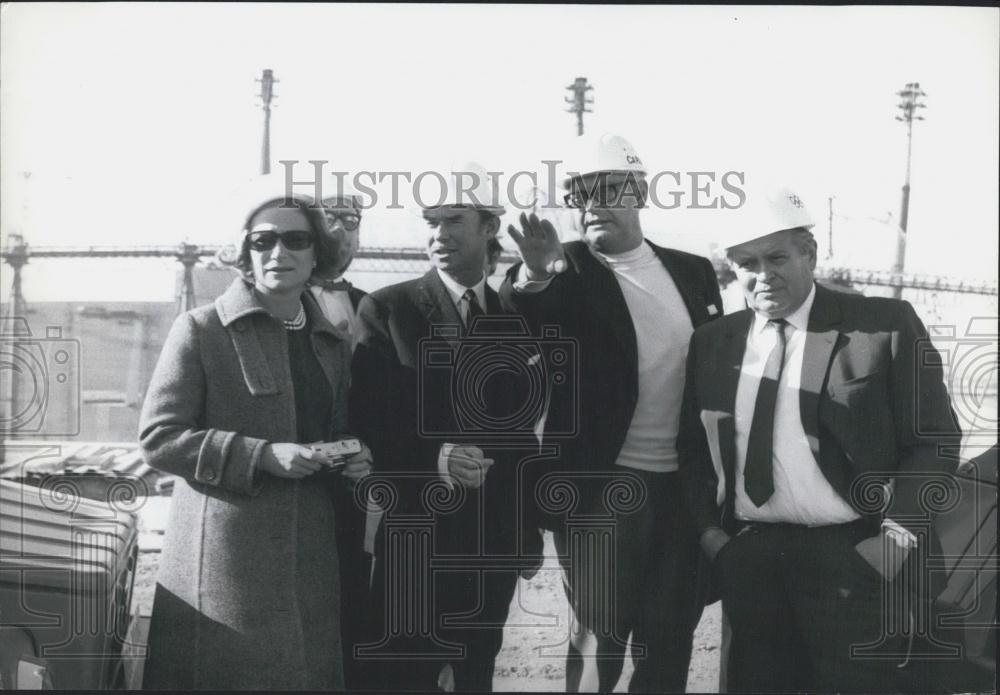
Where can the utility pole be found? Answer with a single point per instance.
(579, 101)
(267, 83)
(910, 95)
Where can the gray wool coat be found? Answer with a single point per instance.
(247, 595)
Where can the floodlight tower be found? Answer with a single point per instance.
(267, 83)
(910, 96)
(579, 101)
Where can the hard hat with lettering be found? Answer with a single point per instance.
(467, 185)
(592, 154)
(768, 209)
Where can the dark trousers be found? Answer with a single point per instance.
(630, 568)
(805, 609)
(442, 588)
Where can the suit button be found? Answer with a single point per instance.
(240, 328)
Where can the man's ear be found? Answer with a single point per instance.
(493, 226)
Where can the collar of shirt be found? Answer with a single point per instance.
(798, 319)
(605, 258)
(337, 283)
(456, 290)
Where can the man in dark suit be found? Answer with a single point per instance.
(825, 415)
(628, 548)
(339, 300)
(452, 495)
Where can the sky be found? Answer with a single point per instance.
(136, 124)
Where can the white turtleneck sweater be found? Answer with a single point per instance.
(662, 330)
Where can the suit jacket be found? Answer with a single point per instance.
(873, 404)
(587, 305)
(409, 392)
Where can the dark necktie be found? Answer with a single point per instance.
(473, 305)
(758, 474)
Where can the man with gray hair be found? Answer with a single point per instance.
(797, 412)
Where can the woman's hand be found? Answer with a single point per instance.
(288, 461)
(359, 465)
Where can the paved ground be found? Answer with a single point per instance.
(534, 638)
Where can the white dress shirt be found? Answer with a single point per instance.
(457, 291)
(802, 494)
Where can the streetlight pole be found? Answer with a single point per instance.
(910, 96)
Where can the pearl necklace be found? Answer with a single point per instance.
(299, 322)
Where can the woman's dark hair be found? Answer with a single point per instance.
(325, 248)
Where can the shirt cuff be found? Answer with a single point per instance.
(526, 286)
(902, 537)
(443, 465)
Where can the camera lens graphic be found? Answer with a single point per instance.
(475, 372)
(973, 383)
(25, 373)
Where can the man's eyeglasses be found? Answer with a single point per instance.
(348, 220)
(295, 240)
(602, 193)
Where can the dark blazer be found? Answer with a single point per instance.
(406, 407)
(873, 403)
(587, 304)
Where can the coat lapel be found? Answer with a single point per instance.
(730, 358)
(436, 305)
(821, 338)
(686, 286)
(492, 301)
(606, 301)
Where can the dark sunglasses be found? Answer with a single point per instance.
(295, 240)
(349, 220)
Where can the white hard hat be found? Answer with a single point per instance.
(467, 185)
(592, 154)
(768, 209)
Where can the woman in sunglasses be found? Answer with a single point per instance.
(248, 592)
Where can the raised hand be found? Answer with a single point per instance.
(539, 246)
